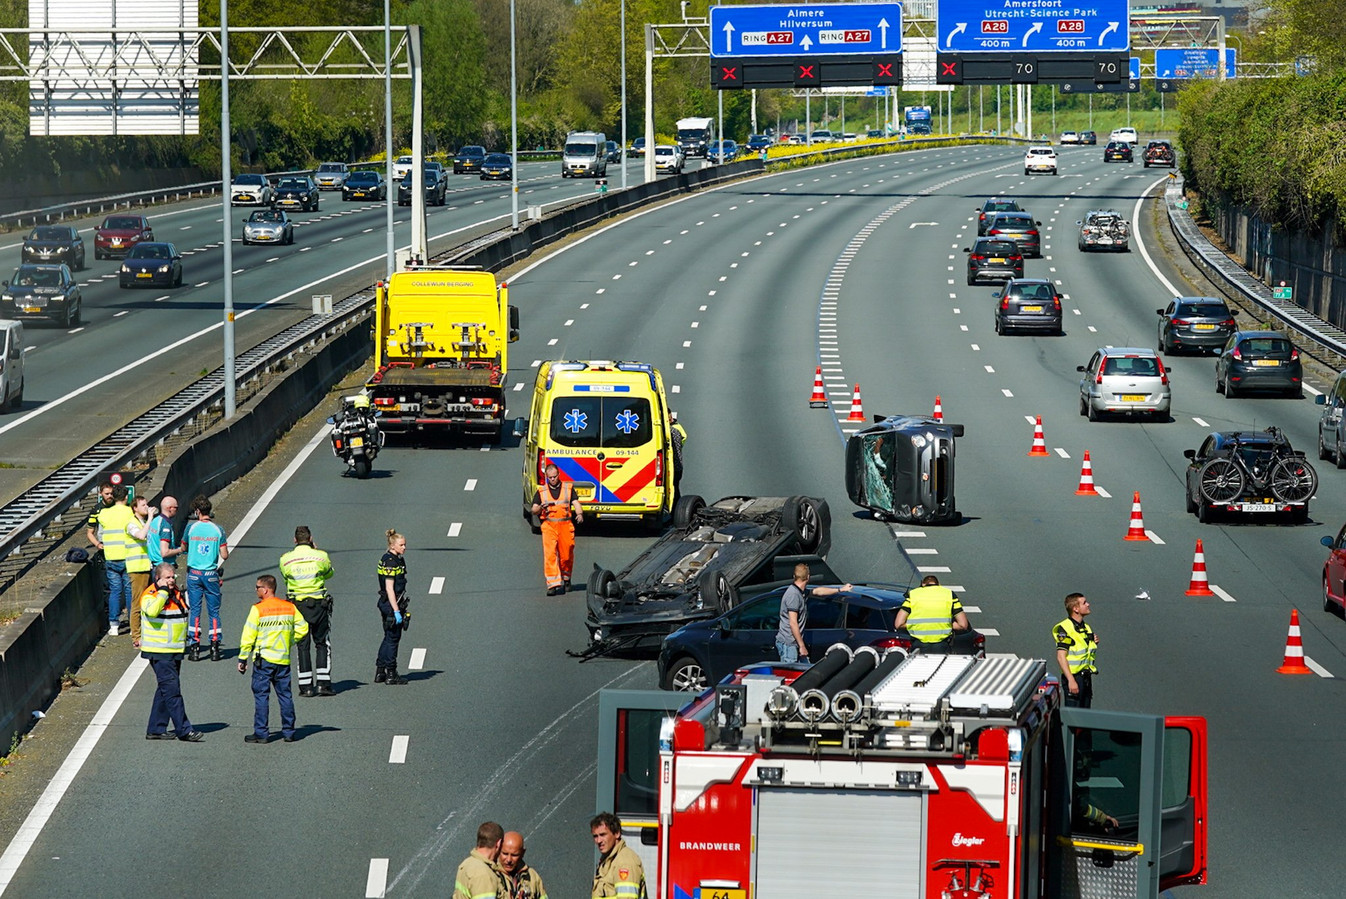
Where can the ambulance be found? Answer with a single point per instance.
(606, 426)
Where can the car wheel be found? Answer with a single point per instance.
(1339, 457)
(685, 509)
(1187, 498)
(1300, 514)
(67, 317)
(811, 521)
(1228, 389)
(685, 676)
(1204, 513)
(1323, 455)
(1025, 171)
(77, 314)
(971, 281)
(1084, 406)
(716, 590)
(1092, 412)
(602, 583)
(177, 279)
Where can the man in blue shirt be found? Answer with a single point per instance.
(161, 542)
(207, 548)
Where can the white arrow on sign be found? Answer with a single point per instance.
(883, 34)
(1037, 26)
(1112, 26)
(806, 43)
(959, 29)
(729, 37)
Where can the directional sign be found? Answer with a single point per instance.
(997, 25)
(1193, 62)
(831, 29)
(1030, 68)
(1135, 68)
(877, 70)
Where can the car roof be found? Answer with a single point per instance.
(986, 240)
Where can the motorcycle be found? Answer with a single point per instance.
(356, 438)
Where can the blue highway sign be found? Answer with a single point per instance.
(853, 29)
(1032, 25)
(1135, 68)
(1193, 62)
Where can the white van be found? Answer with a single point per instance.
(585, 155)
(11, 365)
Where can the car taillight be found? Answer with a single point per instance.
(541, 466)
(1163, 375)
(1180, 321)
(1098, 378)
(659, 469)
(1294, 355)
(1228, 323)
(1238, 354)
(1004, 303)
(482, 401)
(976, 258)
(895, 641)
(1056, 303)
(994, 231)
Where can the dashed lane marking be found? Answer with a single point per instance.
(376, 883)
(1222, 593)
(1154, 538)
(417, 660)
(398, 754)
(1061, 452)
(1103, 493)
(470, 485)
(933, 569)
(988, 632)
(437, 584)
(1316, 668)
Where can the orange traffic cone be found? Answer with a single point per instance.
(1039, 441)
(1137, 529)
(1199, 585)
(1086, 487)
(939, 410)
(857, 411)
(819, 398)
(1294, 649)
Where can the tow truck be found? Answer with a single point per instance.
(934, 776)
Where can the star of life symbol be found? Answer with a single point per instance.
(576, 421)
(627, 421)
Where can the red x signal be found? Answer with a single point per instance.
(885, 70)
(949, 68)
(728, 73)
(805, 72)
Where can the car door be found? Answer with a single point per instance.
(1334, 575)
(825, 625)
(745, 635)
(1090, 375)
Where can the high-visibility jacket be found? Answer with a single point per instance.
(479, 878)
(1079, 642)
(163, 621)
(620, 873)
(112, 523)
(930, 612)
(305, 570)
(273, 625)
(137, 551)
(556, 506)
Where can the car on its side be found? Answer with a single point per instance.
(497, 166)
(1028, 304)
(637, 148)
(1248, 472)
(268, 226)
(1127, 134)
(1040, 160)
(901, 468)
(42, 291)
(1195, 323)
(1019, 227)
(436, 188)
(1118, 151)
(151, 264)
(723, 151)
(759, 142)
(297, 192)
(1159, 152)
(54, 244)
(365, 184)
(992, 206)
(1124, 381)
(1259, 360)
(331, 175)
(1088, 137)
(249, 189)
(668, 159)
(1069, 137)
(469, 159)
(700, 654)
(118, 233)
(1104, 229)
(993, 259)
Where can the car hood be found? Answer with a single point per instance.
(247, 188)
(290, 191)
(361, 185)
(263, 227)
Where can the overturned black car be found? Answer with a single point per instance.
(901, 468)
(712, 556)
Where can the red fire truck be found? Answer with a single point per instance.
(931, 776)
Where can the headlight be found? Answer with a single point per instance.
(163, 269)
(304, 197)
(126, 269)
(7, 297)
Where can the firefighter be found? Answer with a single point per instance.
(1076, 644)
(932, 613)
(521, 879)
(306, 570)
(479, 875)
(619, 871)
(558, 507)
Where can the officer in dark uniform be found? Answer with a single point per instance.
(392, 604)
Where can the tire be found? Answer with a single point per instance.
(78, 314)
(601, 583)
(1187, 498)
(716, 591)
(1328, 604)
(811, 521)
(177, 280)
(1229, 393)
(1300, 514)
(1293, 480)
(685, 676)
(1339, 457)
(363, 467)
(1092, 412)
(1219, 385)
(66, 318)
(1323, 454)
(1204, 513)
(1084, 407)
(1220, 481)
(1026, 172)
(685, 509)
(971, 281)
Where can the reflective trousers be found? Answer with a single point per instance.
(318, 614)
(558, 551)
(265, 676)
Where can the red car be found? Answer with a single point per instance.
(118, 234)
(1334, 574)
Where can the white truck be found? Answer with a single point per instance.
(695, 136)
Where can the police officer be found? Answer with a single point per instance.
(306, 570)
(932, 613)
(163, 639)
(392, 605)
(521, 879)
(479, 876)
(558, 507)
(619, 871)
(273, 625)
(1076, 644)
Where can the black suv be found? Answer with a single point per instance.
(436, 188)
(54, 244)
(901, 468)
(993, 259)
(469, 159)
(1118, 151)
(1160, 152)
(1249, 472)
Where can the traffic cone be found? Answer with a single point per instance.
(939, 410)
(857, 411)
(1199, 586)
(1294, 649)
(1086, 487)
(1039, 441)
(1137, 529)
(819, 398)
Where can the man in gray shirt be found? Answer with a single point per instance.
(794, 612)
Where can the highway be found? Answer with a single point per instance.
(727, 293)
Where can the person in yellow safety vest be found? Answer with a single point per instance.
(138, 557)
(619, 871)
(112, 540)
(1076, 644)
(104, 502)
(558, 507)
(163, 613)
(306, 570)
(931, 614)
(677, 437)
(273, 625)
(479, 875)
(522, 881)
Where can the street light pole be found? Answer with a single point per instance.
(226, 174)
(388, 128)
(624, 137)
(513, 128)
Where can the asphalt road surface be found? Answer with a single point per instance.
(730, 293)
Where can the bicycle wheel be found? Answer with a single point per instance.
(1220, 481)
(1293, 480)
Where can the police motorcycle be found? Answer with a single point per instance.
(356, 438)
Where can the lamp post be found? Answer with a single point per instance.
(513, 128)
(228, 219)
(623, 137)
(388, 129)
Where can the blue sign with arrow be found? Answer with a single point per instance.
(798, 31)
(969, 26)
(1135, 68)
(1193, 62)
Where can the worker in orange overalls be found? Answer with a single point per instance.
(558, 508)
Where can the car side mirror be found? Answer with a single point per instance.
(1328, 542)
(1079, 223)
(1158, 312)
(1320, 400)
(6, 284)
(331, 420)
(520, 427)
(1233, 312)
(723, 625)
(967, 249)
(1037, 223)
(1079, 368)
(1189, 454)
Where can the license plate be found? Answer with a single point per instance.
(116, 241)
(998, 260)
(1266, 363)
(243, 197)
(357, 441)
(1257, 507)
(584, 491)
(1203, 327)
(1032, 309)
(144, 274)
(32, 308)
(1133, 397)
(1104, 240)
(264, 237)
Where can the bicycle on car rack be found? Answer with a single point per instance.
(1247, 470)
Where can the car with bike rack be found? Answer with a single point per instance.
(1249, 472)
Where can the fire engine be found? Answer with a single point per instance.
(921, 775)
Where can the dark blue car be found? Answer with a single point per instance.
(151, 264)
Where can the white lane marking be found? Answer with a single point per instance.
(922, 551)
(1061, 452)
(933, 569)
(1200, 422)
(972, 610)
(696, 324)
(518, 387)
(417, 660)
(398, 754)
(120, 314)
(568, 323)
(436, 586)
(376, 884)
(677, 389)
(552, 342)
(686, 343)
(470, 485)
(898, 535)
(1222, 593)
(975, 348)
(1103, 493)
(1140, 242)
(1006, 392)
(989, 369)
(1154, 538)
(679, 366)
(988, 632)
(1316, 668)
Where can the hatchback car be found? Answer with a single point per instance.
(331, 175)
(1248, 472)
(1259, 360)
(436, 188)
(1028, 304)
(1088, 137)
(613, 150)
(54, 244)
(1069, 137)
(723, 151)
(637, 148)
(250, 190)
(1195, 323)
(1334, 574)
(668, 158)
(469, 159)
(118, 233)
(992, 259)
(42, 291)
(1118, 151)
(365, 184)
(700, 654)
(989, 209)
(268, 226)
(497, 166)
(1040, 159)
(1019, 227)
(402, 165)
(151, 264)
(1159, 152)
(759, 142)
(1124, 381)
(1125, 134)
(297, 192)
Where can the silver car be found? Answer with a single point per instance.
(331, 175)
(268, 226)
(1124, 380)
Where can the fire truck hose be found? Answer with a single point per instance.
(786, 700)
(889, 664)
(846, 704)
